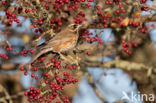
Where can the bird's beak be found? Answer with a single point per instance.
(78, 26)
(72, 30)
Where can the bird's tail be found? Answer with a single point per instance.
(39, 52)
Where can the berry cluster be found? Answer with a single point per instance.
(128, 45)
(80, 18)
(56, 87)
(144, 29)
(145, 8)
(34, 94)
(56, 63)
(65, 6)
(25, 52)
(86, 35)
(4, 56)
(11, 17)
(9, 49)
(54, 83)
(134, 24)
(57, 21)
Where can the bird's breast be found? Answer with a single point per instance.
(66, 45)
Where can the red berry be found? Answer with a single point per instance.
(123, 10)
(74, 66)
(124, 45)
(3, 2)
(36, 77)
(120, 5)
(123, 41)
(25, 73)
(22, 68)
(117, 11)
(53, 60)
(46, 81)
(88, 4)
(88, 53)
(58, 66)
(32, 75)
(135, 45)
(69, 66)
(58, 62)
(25, 93)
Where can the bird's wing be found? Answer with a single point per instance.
(51, 44)
(59, 39)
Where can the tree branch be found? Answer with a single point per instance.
(117, 63)
(92, 84)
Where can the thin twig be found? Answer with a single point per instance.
(6, 95)
(98, 93)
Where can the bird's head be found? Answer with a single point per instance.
(75, 27)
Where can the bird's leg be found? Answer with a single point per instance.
(77, 50)
(65, 58)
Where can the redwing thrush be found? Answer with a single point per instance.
(61, 42)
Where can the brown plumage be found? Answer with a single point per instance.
(61, 42)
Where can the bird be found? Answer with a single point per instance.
(64, 41)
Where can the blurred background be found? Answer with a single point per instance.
(112, 85)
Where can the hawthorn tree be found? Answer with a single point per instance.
(70, 47)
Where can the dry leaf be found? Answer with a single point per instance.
(125, 21)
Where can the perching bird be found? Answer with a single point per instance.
(61, 42)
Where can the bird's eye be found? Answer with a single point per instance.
(74, 26)
(34, 2)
